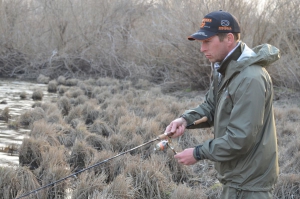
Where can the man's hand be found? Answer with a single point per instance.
(176, 127)
(186, 157)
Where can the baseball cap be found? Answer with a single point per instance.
(214, 23)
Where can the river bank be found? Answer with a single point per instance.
(10, 91)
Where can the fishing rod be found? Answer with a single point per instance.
(164, 144)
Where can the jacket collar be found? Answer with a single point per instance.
(232, 56)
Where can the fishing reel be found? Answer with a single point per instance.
(166, 141)
(164, 145)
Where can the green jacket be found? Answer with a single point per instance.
(240, 108)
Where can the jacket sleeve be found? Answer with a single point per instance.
(207, 108)
(246, 120)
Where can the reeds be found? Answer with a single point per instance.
(78, 131)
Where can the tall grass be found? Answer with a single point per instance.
(121, 121)
(136, 39)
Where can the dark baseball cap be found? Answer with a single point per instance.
(214, 23)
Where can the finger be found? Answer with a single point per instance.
(173, 128)
(168, 128)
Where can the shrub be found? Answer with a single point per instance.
(28, 117)
(43, 79)
(61, 80)
(52, 86)
(37, 94)
(30, 153)
(99, 127)
(23, 95)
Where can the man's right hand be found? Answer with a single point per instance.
(176, 127)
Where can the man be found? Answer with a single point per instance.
(239, 106)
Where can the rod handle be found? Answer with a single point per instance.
(201, 120)
(167, 135)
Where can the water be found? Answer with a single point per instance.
(10, 91)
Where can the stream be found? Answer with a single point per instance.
(10, 91)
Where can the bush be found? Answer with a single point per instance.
(52, 86)
(37, 94)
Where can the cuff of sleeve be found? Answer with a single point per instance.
(196, 152)
(187, 119)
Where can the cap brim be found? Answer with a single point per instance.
(201, 35)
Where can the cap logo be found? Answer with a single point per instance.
(202, 24)
(204, 21)
(225, 23)
(200, 33)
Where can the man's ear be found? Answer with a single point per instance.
(230, 38)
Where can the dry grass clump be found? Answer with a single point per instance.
(81, 99)
(30, 153)
(61, 80)
(141, 84)
(43, 79)
(90, 112)
(121, 187)
(4, 115)
(117, 143)
(109, 115)
(96, 141)
(62, 89)
(66, 136)
(287, 186)
(28, 117)
(111, 168)
(64, 105)
(53, 167)
(55, 117)
(23, 180)
(100, 127)
(43, 130)
(150, 178)
(37, 94)
(292, 114)
(87, 87)
(105, 81)
(75, 113)
(71, 82)
(87, 184)
(13, 125)
(52, 86)
(7, 187)
(183, 191)
(23, 95)
(81, 155)
(74, 92)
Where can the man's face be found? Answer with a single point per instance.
(214, 49)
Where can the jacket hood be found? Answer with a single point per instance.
(262, 55)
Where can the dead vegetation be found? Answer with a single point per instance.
(135, 39)
(66, 137)
(138, 43)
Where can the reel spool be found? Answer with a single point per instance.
(164, 145)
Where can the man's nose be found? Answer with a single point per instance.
(202, 48)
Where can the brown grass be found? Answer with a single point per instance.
(28, 117)
(84, 190)
(37, 94)
(52, 86)
(100, 127)
(61, 141)
(30, 153)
